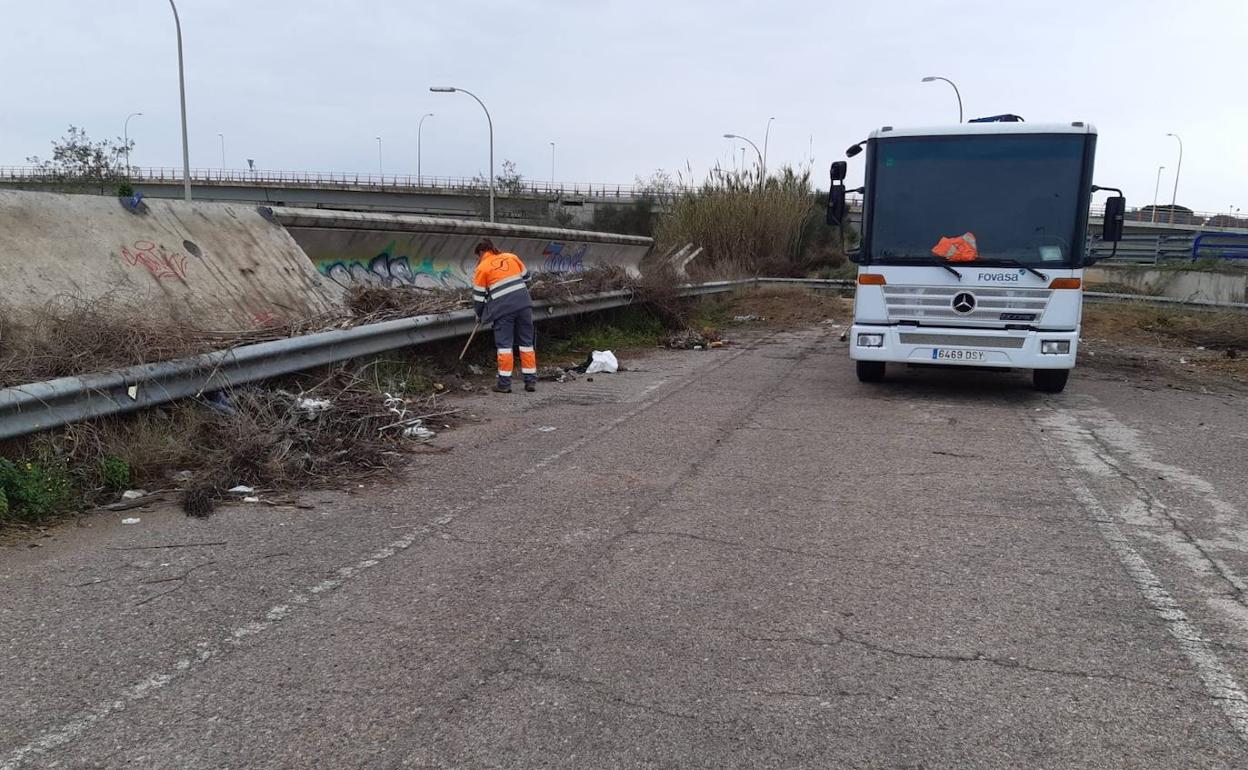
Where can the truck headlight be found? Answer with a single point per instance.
(1055, 347)
(870, 340)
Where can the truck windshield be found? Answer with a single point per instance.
(976, 199)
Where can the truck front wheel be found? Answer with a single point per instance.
(870, 371)
(1050, 380)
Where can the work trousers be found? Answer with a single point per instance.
(515, 330)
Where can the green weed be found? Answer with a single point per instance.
(35, 490)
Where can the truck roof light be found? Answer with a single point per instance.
(871, 279)
(1066, 283)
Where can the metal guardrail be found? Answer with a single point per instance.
(1142, 249)
(40, 406)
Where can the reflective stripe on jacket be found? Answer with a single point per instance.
(500, 286)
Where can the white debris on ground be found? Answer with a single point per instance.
(241, 490)
(131, 520)
(603, 361)
(134, 494)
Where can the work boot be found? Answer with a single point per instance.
(530, 387)
(502, 388)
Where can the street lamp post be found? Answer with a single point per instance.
(552, 164)
(221, 136)
(766, 137)
(1177, 170)
(125, 138)
(489, 120)
(186, 145)
(931, 78)
(420, 127)
(1156, 187)
(758, 152)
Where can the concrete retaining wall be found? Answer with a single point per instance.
(1196, 285)
(215, 265)
(352, 248)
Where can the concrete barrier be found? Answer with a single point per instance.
(1190, 285)
(215, 265)
(353, 248)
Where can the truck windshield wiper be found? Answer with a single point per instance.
(934, 262)
(1014, 263)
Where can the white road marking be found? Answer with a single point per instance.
(60, 735)
(1219, 683)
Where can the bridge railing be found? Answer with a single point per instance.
(408, 182)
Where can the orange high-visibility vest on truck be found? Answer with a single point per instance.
(961, 248)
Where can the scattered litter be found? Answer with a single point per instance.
(439, 387)
(418, 431)
(474, 369)
(133, 392)
(745, 319)
(134, 494)
(131, 521)
(717, 344)
(183, 477)
(251, 499)
(547, 429)
(844, 336)
(604, 361)
(220, 402)
(1182, 360)
(557, 374)
(692, 339)
(242, 490)
(312, 406)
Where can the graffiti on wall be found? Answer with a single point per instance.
(389, 269)
(561, 257)
(157, 260)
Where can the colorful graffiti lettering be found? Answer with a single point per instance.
(386, 269)
(563, 258)
(156, 260)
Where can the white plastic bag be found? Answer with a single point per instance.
(603, 362)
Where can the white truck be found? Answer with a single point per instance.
(973, 246)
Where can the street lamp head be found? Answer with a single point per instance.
(731, 136)
(443, 89)
(929, 79)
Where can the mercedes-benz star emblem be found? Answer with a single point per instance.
(964, 302)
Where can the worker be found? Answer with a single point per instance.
(958, 249)
(500, 295)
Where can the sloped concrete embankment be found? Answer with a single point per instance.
(1188, 285)
(215, 266)
(354, 248)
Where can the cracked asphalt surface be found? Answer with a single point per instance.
(735, 558)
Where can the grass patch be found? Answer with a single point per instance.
(630, 327)
(35, 490)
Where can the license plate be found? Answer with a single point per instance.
(958, 354)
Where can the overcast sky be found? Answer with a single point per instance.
(624, 88)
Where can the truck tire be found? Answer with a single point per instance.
(1050, 380)
(870, 371)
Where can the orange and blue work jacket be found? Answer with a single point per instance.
(500, 286)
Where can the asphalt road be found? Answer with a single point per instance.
(734, 558)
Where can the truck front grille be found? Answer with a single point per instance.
(935, 303)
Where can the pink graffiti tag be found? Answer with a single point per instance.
(156, 260)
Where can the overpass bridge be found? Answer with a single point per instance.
(528, 201)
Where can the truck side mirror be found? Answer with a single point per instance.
(838, 171)
(837, 207)
(1115, 210)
